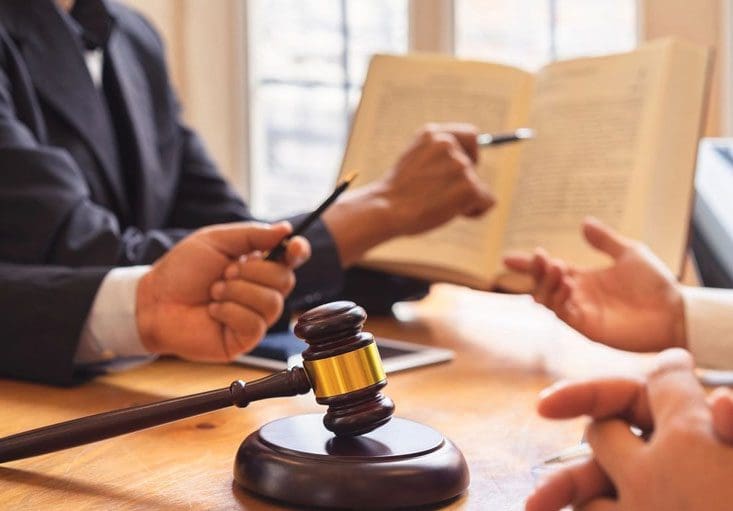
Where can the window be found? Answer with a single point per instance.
(308, 58)
(530, 33)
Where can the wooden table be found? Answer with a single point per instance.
(507, 350)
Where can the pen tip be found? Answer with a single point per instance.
(524, 133)
(348, 178)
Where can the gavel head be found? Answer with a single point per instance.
(344, 368)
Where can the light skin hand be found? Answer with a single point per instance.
(634, 304)
(721, 406)
(432, 182)
(683, 464)
(174, 311)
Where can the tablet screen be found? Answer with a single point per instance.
(281, 350)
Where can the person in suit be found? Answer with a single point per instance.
(97, 170)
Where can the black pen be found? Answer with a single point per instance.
(276, 253)
(486, 139)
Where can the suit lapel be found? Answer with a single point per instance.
(138, 103)
(53, 56)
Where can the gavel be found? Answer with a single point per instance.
(341, 365)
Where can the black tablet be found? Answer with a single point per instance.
(281, 350)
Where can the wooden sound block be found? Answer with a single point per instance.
(401, 464)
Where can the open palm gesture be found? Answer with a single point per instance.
(634, 304)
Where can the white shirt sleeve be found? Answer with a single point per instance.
(110, 339)
(709, 323)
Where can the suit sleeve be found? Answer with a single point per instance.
(46, 213)
(43, 312)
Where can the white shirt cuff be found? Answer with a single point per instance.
(709, 323)
(110, 333)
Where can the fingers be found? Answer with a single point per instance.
(519, 262)
(478, 197)
(599, 399)
(265, 273)
(473, 194)
(247, 327)
(615, 448)
(243, 237)
(574, 485)
(554, 283)
(674, 391)
(603, 238)
(297, 252)
(540, 261)
(721, 404)
(453, 146)
(559, 301)
(549, 285)
(264, 301)
(464, 134)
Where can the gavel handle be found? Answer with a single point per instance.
(106, 425)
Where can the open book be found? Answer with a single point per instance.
(616, 138)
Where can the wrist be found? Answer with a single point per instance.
(385, 209)
(361, 220)
(145, 312)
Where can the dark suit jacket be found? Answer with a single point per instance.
(65, 194)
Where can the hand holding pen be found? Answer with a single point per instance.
(482, 140)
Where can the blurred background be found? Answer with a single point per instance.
(272, 84)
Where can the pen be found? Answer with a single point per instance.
(577, 452)
(276, 253)
(485, 139)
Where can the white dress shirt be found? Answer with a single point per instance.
(709, 319)
(110, 335)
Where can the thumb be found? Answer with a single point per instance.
(603, 238)
(721, 404)
(240, 238)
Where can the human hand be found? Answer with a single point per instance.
(435, 180)
(634, 304)
(432, 182)
(175, 313)
(721, 406)
(682, 464)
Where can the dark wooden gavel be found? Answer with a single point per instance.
(341, 365)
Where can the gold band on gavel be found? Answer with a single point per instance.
(346, 372)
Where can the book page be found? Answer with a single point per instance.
(672, 155)
(594, 119)
(400, 95)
